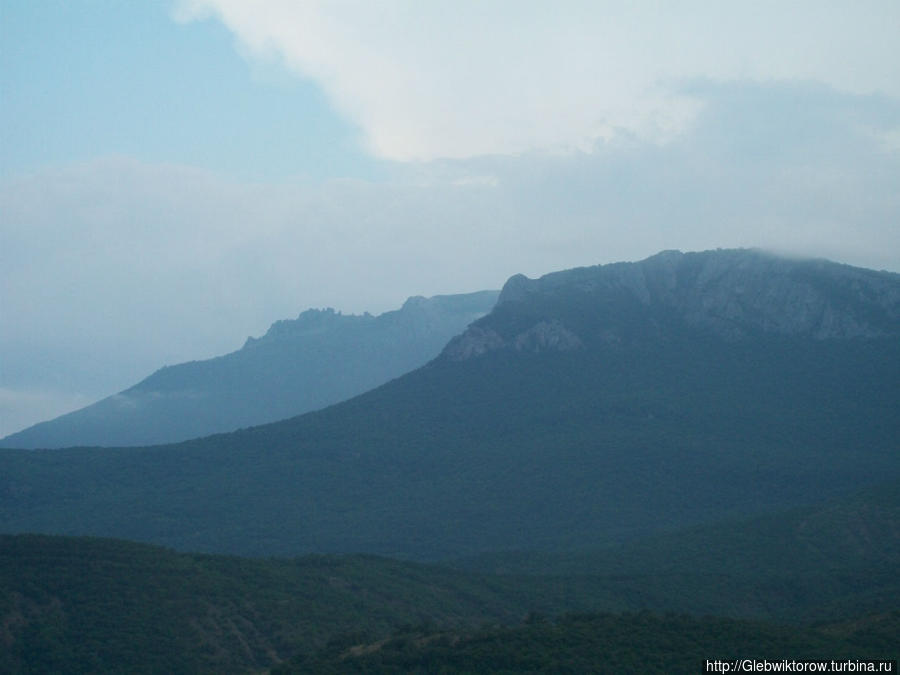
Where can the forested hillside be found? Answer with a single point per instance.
(98, 605)
(606, 643)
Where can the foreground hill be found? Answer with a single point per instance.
(608, 643)
(836, 559)
(98, 605)
(317, 359)
(589, 406)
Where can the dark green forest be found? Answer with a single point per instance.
(99, 605)
(604, 643)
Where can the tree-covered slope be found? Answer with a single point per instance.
(317, 359)
(608, 643)
(97, 605)
(834, 559)
(591, 416)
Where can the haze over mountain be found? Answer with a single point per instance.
(317, 359)
(591, 405)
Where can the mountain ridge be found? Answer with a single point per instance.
(303, 364)
(670, 426)
(733, 294)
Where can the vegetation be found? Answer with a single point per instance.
(100, 605)
(97, 605)
(604, 643)
(820, 563)
(549, 451)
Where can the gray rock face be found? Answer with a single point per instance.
(732, 294)
(542, 336)
(547, 336)
(474, 342)
(737, 293)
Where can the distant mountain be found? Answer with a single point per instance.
(317, 359)
(590, 406)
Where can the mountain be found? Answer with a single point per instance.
(317, 359)
(590, 406)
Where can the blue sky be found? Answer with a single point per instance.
(176, 175)
(108, 77)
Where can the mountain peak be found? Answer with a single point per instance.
(516, 289)
(414, 301)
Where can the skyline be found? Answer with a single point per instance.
(177, 176)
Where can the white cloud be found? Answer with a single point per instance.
(460, 79)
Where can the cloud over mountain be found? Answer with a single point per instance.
(427, 80)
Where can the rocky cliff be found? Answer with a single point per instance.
(731, 294)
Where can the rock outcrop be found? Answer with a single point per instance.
(731, 294)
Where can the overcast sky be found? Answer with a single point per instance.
(175, 176)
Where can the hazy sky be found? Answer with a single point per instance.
(174, 176)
